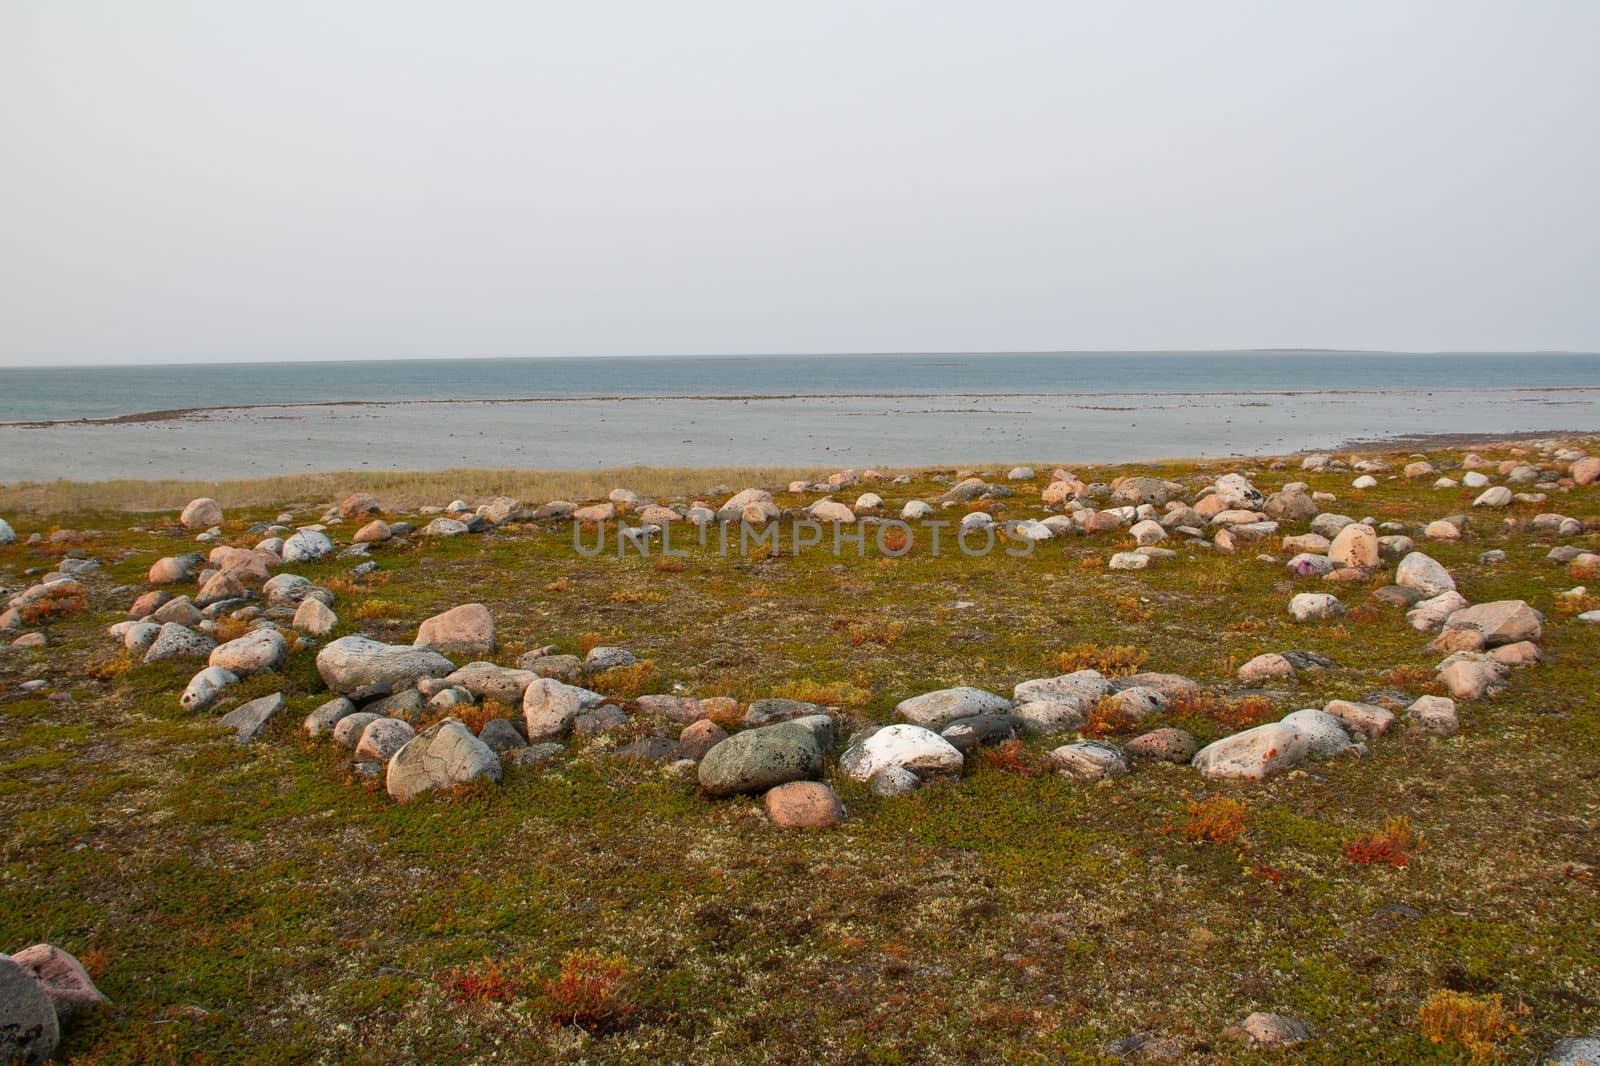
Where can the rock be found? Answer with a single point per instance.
(1274, 1030)
(358, 505)
(1430, 614)
(1290, 506)
(754, 506)
(1577, 1050)
(1425, 575)
(602, 719)
(1089, 760)
(174, 569)
(561, 667)
(1394, 546)
(1586, 471)
(657, 750)
(1329, 525)
(306, 546)
(1253, 754)
(178, 642)
(966, 735)
(29, 1030)
(202, 513)
(909, 747)
(1056, 704)
(1172, 686)
(771, 711)
(501, 736)
(31, 640)
(204, 688)
(62, 979)
(1129, 561)
(1470, 677)
(1497, 496)
(382, 737)
(758, 759)
(700, 737)
(448, 700)
(549, 707)
(354, 662)
(1452, 640)
(1442, 530)
(347, 730)
(1268, 667)
(1522, 653)
(7, 534)
(603, 658)
(253, 653)
(407, 705)
(248, 719)
(1166, 744)
(444, 755)
(314, 618)
(936, 710)
(1147, 533)
(1314, 607)
(1308, 565)
(138, 637)
(1325, 736)
(450, 527)
(1434, 714)
(374, 532)
(1355, 545)
(803, 805)
(466, 630)
(915, 510)
(1500, 622)
(488, 681)
(1361, 718)
(893, 781)
(321, 721)
(680, 709)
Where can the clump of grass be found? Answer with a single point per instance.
(477, 715)
(879, 631)
(1012, 757)
(378, 608)
(829, 694)
(1107, 718)
(1477, 1023)
(1393, 845)
(1216, 819)
(1411, 677)
(1567, 606)
(627, 682)
(671, 564)
(230, 629)
(1117, 660)
(108, 668)
(560, 584)
(488, 982)
(1220, 711)
(588, 642)
(593, 992)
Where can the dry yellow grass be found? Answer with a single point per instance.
(394, 489)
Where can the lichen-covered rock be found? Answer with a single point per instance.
(1425, 574)
(355, 662)
(910, 747)
(382, 738)
(1500, 622)
(444, 755)
(306, 545)
(62, 979)
(464, 630)
(936, 710)
(249, 719)
(549, 707)
(321, 721)
(1325, 735)
(29, 1030)
(1314, 607)
(489, 681)
(253, 653)
(178, 642)
(758, 759)
(1253, 754)
(1089, 760)
(1166, 744)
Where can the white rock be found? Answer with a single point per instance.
(1254, 754)
(549, 707)
(306, 546)
(1324, 735)
(1498, 496)
(910, 747)
(204, 688)
(1089, 760)
(935, 710)
(1365, 481)
(1423, 574)
(1314, 607)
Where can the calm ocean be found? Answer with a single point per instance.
(695, 411)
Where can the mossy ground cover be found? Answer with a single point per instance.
(262, 903)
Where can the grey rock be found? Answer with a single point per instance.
(29, 1030)
(444, 755)
(178, 642)
(970, 733)
(501, 735)
(350, 663)
(248, 719)
(62, 979)
(773, 710)
(936, 710)
(757, 759)
(321, 721)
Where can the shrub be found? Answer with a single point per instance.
(588, 642)
(1107, 718)
(895, 539)
(1476, 1023)
(877, 631)
(230, 629)
(378, 608)
(1393, 845)
(626, 682)
(1412, 678)
(1113, 661)
(558, 585)
(486, 983)
(61, 598)
(1232, 715)
(1012, 757)
(1218, 819)
(593, 992)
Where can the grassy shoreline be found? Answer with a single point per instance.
(266, 903)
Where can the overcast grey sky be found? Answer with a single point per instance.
(220, 179)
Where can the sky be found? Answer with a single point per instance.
(187, 180)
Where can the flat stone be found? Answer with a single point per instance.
(248, 719)
(936, 710)
(1253, 754)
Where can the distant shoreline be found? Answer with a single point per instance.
(177, 413)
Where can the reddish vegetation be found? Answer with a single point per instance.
(1012, 757)
(485, 983)
(1219, 820)
(593, 992)
(1393, 845)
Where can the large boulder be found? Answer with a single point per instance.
(178, 642)
(1254, 754)
(935, 710)
(464, 630)
(253, 653)
(202, 513)
(1500, 622)
(29, 1030)
(1355, 545)
(1423, 574)
(489, 681)
(549, 707)
(758, 759)
(306, 546)
(804, 805)
(358, 505)
(909, 747)
(355, 662)
(1049, 705)
(444, 755)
